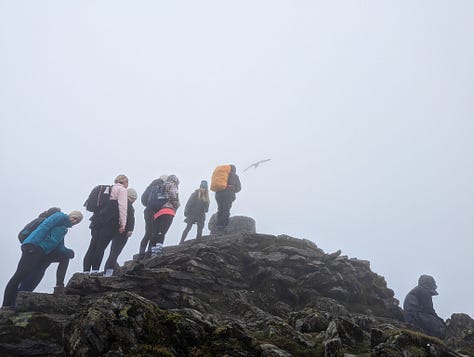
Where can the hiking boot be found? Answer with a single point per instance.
(157, 250)
(59, 290)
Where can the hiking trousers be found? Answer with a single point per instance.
(118, 243)
(34, 278)
(160, 228)
(31, 259)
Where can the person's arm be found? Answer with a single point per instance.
(189, 204)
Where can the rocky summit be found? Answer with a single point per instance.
(242, 294)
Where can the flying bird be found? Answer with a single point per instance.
(256, 164)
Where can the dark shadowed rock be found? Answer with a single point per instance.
(235, 295)
(237, 224)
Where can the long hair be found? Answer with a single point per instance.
(203, 195)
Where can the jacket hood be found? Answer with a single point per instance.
(427, 282)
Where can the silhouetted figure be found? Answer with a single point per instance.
(163, 218)
(106, 223)
(419, 311)
(226, 197)
(195, 210)
(150, 199)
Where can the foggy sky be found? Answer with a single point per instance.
(365, 108)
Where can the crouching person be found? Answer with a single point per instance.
(419, 311)
(43, 240)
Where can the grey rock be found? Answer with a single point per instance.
(237, 224)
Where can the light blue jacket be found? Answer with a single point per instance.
(50, 233)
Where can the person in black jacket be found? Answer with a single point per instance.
(120, 239)
(419, 311)
(225, 198)
(195, 210)
(149, 212)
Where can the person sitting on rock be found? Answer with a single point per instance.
(195, 210)
(419, 311)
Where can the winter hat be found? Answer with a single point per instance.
(203, 184)
(164, 178)
(76, 214)
(132, 194)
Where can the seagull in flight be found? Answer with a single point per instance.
(255, 164)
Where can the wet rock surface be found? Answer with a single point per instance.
(240, 294)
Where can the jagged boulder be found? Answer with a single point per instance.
(460, 333)
(235, 295)
(237, 224)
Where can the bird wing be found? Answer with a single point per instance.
(255, 164)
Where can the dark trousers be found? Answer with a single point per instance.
(118, 242)
(224, 201)
(160, 227)
(34, 278)
(148, 215)
(101, 238)
(31, 259)
(200, 227)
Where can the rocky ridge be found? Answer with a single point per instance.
(241, 294)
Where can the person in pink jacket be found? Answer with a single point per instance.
(107, 224)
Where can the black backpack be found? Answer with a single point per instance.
(156, 197)
(30, 227)
(98, 198)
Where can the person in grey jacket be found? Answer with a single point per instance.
(419, 311)
(195, 210)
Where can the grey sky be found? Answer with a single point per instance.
(365, 107)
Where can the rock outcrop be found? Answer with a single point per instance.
(237, 224)
(233, 295)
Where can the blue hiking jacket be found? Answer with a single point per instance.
(50, 233)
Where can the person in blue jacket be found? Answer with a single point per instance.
(43, 240)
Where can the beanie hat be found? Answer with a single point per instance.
(132, 194)
(76, 214)
(164, 178)
(203, 184)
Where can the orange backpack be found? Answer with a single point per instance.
(220, 177)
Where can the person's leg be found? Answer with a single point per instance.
(161, 226)
(118, 242)
(105, 235)
(200, 227)
(32, 280)
(148, 215)
(61, 270)
(224, 203)
(185, 232)
(87, 263)
(165, 224)
(30, 260)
